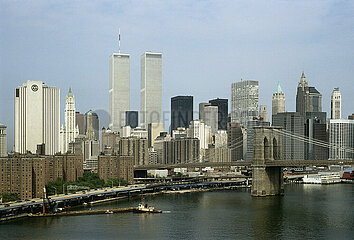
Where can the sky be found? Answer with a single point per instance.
(206, 46)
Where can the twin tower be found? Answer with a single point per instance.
(150, 89)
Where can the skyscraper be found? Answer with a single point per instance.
(211, 118)
(235, 140)
(181, 111)
(293, 123)
(37, 117)
(151, 88)
(131, 119)
(278, 101)
(70, 130)
(3, 139)
(244, 101)
(223, 109)
(308, 99)
(341, 138)
(263, 112)
(91, 125)
(119, 89)
(201, 110)
(197, 129)
(336, 104)
(316, 129)
(79, 118)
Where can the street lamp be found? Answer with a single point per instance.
(55, 190)
(112, 183)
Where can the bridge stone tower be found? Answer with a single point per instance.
(267, 180)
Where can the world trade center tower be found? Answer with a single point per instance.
(151, 89)
(119, 89)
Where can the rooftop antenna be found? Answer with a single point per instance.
(119, 40)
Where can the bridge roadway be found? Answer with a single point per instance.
(274, 163)
(191, 165)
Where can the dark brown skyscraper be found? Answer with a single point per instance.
(308, 99)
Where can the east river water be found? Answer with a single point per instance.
(305, 212)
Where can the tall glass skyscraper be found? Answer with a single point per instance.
(151, 89)
(181, 111)
(244, 101)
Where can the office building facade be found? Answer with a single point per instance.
(132, 119)
(91, 125)
(278, 101)
(201, 110)
(315, 131)
(293, 124)
(151, 89)
(119, 90)
(244, 101)
(223, 109)
(70, 130)
(211, 118)
(3, 140)
(341, 138)
(336, 104)
(110, 141)
(263, 112)
(236, 140)
(80, 118)
(308, 99)
(181, 111)
(37, 117)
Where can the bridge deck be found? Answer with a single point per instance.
(275, 163)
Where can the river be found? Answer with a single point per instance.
(305, 212)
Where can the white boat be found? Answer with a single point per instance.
(322, 178)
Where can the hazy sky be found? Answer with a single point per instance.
(206, 46)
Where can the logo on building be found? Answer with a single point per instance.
(34, 88)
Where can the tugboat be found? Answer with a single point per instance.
(108, 212)
(144, 208)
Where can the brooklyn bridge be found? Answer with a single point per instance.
(268, 162)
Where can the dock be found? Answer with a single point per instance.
(89, 212)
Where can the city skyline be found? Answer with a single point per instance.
(312, 49)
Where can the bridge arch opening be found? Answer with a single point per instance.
(276, 152)
(266, 149)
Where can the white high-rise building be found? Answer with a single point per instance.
(37, 117)
(119, 89)
(244, 101)
(3, 139)
(341, 138)
(198, 129)
(336, 104)
(151, 89)
(70, 130)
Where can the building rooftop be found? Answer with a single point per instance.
(278, 89)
